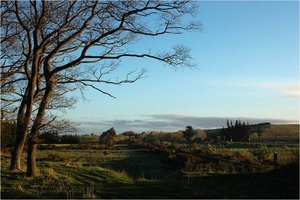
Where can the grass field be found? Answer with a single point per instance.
(139, 173)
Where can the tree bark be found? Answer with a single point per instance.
(33, 141)
(24, 114)
(21, 135)
(31, 159)
(23, 121)
(15, 163)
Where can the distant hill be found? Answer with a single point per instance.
(262, 128)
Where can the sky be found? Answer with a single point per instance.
(247, 67)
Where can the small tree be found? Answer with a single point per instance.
(50, 48)
(188, 133)
(108, 138)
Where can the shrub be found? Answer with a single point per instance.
(244, 156)
(200, 136)
(263, 153)
(211, 149)
(108, 138)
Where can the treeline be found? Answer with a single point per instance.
(8, 135)
(236, 132)
(110, 137)
(8, 132)
(187, 136)
(52, 137)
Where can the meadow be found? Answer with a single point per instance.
(143, 173)
(147, 173)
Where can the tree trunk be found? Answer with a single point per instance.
(15, 163)
(21, 135)
(24, 114)
(32, 144)
(23, 121)
(31, 159)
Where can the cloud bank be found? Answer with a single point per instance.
(164, 122)
(285, 89)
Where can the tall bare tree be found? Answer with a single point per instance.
(49, 46)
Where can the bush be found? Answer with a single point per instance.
(243, 156)
(108, 138)
(200, 136)
(263, 153)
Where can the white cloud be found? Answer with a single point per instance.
(286, 89)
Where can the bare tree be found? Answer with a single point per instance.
(13, 87)
(49, 45)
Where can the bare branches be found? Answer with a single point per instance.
(180, 57)
(51, 48)
(93, 79)
(59, 125)
(129, 24)
(70, 42)
(22, 23)
(60, 41)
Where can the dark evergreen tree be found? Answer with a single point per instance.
(237, 132)
(228, 125)
(188, 133)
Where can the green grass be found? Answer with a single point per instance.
(137, 163)
(139, 174)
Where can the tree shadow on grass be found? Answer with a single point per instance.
(143, 164)
(157, 182)
(277, 184)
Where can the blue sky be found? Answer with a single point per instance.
(247, 57)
